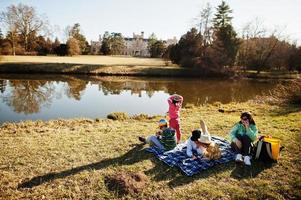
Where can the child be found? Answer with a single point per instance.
(192, 144)
(242, 135)
(164, 139)
(175, 104)
(201, 144)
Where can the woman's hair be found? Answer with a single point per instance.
(249, 116)
(196, 134)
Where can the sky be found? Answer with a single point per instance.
(165, 18)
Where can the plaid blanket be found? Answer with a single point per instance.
(177, 157)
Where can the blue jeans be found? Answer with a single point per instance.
(153, 140)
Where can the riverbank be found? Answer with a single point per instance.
(93, 65)
(87, 69)
(117, 66)
(73, 158)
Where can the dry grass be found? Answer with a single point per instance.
(93, 65)
(118, 116)
(99, 60)
(287, 94)
(126, 183)
(72, 159)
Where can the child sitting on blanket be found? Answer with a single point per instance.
(201, 143)
(164, 139)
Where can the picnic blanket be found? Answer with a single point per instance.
(177, 157)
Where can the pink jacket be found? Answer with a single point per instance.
(174, 109)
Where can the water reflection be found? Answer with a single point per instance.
(75, 88)
(194, 91)
(2, 85)
(46, 97)
(28, 96)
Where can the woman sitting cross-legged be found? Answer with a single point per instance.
(242, 135)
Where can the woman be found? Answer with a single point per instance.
(241, 136)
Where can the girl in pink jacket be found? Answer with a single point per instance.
(175, 104)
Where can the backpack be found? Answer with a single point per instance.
(267, 149)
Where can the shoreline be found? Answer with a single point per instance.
(120, 66)
(97, 70)
(130, 70)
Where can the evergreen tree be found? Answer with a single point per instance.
(42, 46)
(157, 49)
(225, 37)
(222, 18)
(105, 48)
(117, 43)
(151, 41)
(187, 49)
(55, 45)
(112, 44)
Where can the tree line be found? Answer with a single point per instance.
(26, 36)
(213, 46)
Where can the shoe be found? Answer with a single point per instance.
(238, 158)
(204, 127)
(142, 139)
(247, 160)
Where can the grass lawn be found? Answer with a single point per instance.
(72, 159)
(116, 65)
(93, 60)
(96, 65)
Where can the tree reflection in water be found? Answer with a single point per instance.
(2, 86)
(29, 96)
(194, 91)
(75, 88)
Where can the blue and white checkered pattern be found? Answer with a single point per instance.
(177, 157)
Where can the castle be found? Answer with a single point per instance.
(134, 46)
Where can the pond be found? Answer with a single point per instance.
(32, 97)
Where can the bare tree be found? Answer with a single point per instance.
(204, 23)
(8, 19)
(258, 45)
(24, 20)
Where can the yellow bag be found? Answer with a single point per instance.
(275, 147)
(267, 149)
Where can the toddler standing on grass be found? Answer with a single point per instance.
(175, 104)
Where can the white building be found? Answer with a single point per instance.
(95, 46)
(134, 46)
